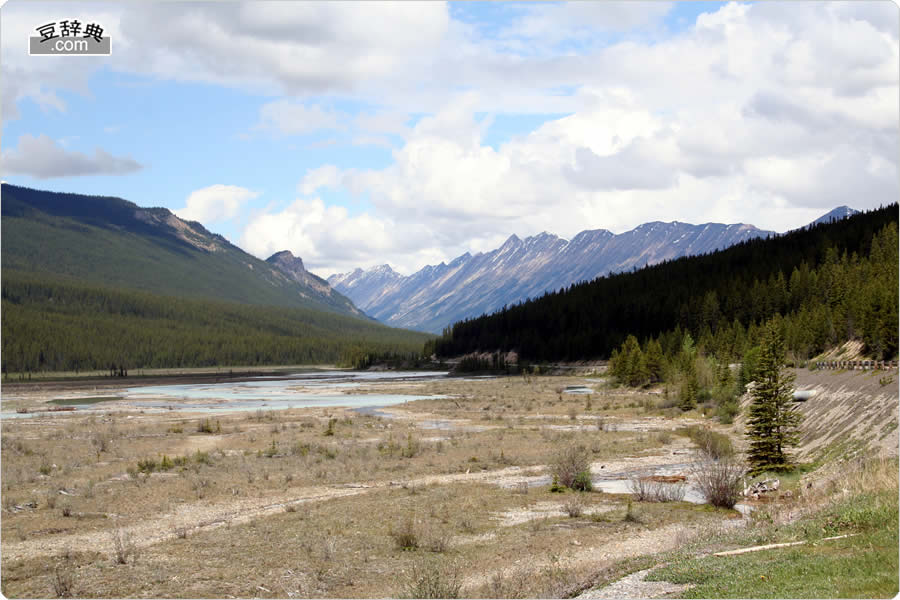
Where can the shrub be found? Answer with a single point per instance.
(63, 581)
(123, 546)
(147, 465)
(583, 482)
(571, 467)
(719, 480)
(555, 487)
(272, 450)
(405, 535)
(436, 539)
(101, 441)
(574, 507)
(727, 411)
(412, 447)
(711, 443)
(431, 579)
(630, 515)
(647, 490)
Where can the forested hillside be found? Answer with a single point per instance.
(113, 242)
(826, 284)
(58, 325)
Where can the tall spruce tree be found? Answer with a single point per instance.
(772, 423)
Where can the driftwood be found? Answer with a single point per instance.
(665, 478)
(783, 545)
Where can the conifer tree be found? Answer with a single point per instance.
(654, 360)
(772, 423)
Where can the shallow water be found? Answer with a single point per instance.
(300, 390)
(578, 389)
(619, 482)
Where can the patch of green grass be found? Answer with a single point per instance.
(862, 566)
(791, 479)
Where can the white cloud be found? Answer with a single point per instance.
(330, 240)
(739, 119)
(327, 176)
(215, 203)
(549, 24)
(43, 158)
(769, 113)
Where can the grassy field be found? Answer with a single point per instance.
(862, 565)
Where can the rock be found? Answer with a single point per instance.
(762, 487)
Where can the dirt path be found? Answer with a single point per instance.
(597, 557)
(635, 586)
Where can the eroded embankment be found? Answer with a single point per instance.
(851, 412)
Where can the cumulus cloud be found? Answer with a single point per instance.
(298, 48)
(215, 203)
(738, 119)
(330, 239)
(43, 158)
(768, 113)
(326, 176)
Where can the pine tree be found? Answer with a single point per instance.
(655, 361)
(772, 425)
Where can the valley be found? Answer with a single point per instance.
(326, 501)
(449, 299)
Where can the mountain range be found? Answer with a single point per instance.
(471, 285)
(115, 243)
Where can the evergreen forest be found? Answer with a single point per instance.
(824, 284)
(57, 325)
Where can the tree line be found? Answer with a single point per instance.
(823, 285)
(54, 325)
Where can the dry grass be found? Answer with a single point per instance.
(323, 534)
(647, 490)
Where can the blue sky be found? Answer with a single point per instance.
(359, 134)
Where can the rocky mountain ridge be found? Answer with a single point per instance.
(470, 285)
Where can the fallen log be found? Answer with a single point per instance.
(665, 478)
(782, 545)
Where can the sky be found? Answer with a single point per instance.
(358, 134)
